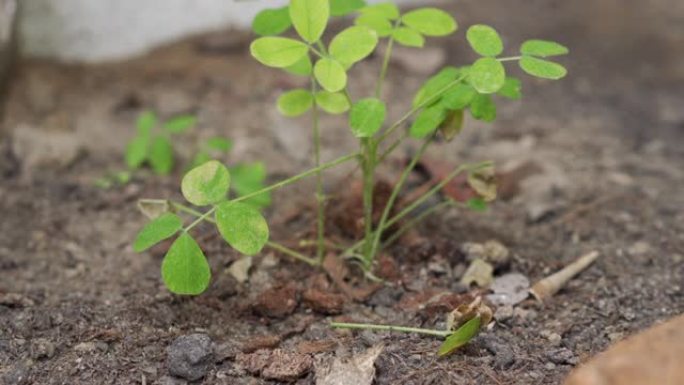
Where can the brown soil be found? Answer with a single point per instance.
(78, 306)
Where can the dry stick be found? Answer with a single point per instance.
(550, 285)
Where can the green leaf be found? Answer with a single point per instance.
(200, 158)
(294, 103)
(136, 152)
(180, 124)
(461, 336)
(147, 120)
(220, 144)
(353, 44)
(163, 227)
(427, 121)
(345, 7)
(249, 178)
(458, 97)
(485, 40)
(436, 84)
(384, 10)
(271, 22)
(278, 52)
(511, 89)
(487, 75)
(483, 108)
(161, 155)
(542, 68)
(543, 48)
(330, 74)
(242, 226)
(185, 269)
(477, 204)
(452, 125)
(408, 37)
(206, 184)
(310, 17)
(332, 102)
(366, 117)
(430, 21)
(377, 23)
(302, 67)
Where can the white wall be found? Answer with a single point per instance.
(98, 30)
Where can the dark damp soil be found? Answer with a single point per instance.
(603, 159)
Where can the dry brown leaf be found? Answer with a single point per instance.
(357, 370)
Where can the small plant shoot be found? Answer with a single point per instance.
(230, 198)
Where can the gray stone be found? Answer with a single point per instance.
(42, 348)
(562, 356)
(190, 356)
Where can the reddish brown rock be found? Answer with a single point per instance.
(651, 357)
(324, 302)
(277, 302)
(277, 364)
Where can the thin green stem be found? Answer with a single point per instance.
(415, 220)
(417, 108)
(369, 147)
(385, 66)
(292, 253)
(390, 328)
(274, 245)
(292, 179)
(320, 196)
(393, 196)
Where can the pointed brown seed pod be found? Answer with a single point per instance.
(550, 285)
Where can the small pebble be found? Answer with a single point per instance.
(190, 356)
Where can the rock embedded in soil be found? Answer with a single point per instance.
(277, 302)
(190, 356)
(42, 349)
(324, 302)
(278, 365)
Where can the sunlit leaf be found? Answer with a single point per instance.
(408, 37)
(161, 155)
(511, 88)
(162, 227)
(302, 67)
(242, 226)
(460, 337)
(386, 10)
(330, 74)
(427, 121)
(270, 22)
(295, 102)
(180, 123)
(437, 84)
(487, 75)
(430, 21)
(206, 184)
(483, 108)
(278, 52)
(332, 102)
(310, 17)
(542, 68)
(381, 25)
(366, 117)
(353, 44)
(485, 40)
(345, 7)
(458, 97)
(185, 269)
(543, 48)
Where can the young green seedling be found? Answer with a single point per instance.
(153, 145)
(463, 324)
(439, 107)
